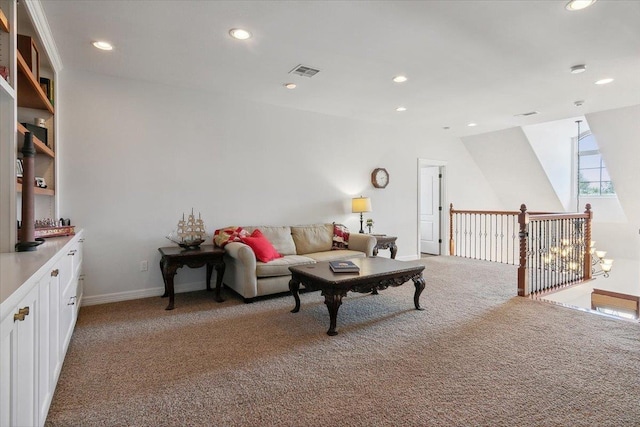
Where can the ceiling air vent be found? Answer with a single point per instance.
(530, 113)
(301, 70)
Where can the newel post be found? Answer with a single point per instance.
(452, 247)
(523, 276)
(587, 243)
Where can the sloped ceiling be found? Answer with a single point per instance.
(510, 165)
(467, 61)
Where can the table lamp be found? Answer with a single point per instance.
(360, 205)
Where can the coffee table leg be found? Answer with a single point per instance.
(294, 286)
(419, 283)
(333, 302)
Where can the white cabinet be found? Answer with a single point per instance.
(36, 323)
(19, 333)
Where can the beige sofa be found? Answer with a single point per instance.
(304, 244)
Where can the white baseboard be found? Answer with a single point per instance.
(138, 294)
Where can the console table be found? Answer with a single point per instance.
(174, 257)
(385, 242)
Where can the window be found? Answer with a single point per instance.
(593, 177)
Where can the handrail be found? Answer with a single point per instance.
(553, 249)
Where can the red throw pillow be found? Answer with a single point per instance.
(261, 246)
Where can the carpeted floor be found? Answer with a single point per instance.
(477, 356)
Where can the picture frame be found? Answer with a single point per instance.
(29, 51)
(19, 168)
(45, 85)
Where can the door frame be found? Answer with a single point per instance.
(444, 219)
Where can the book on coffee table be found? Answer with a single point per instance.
(343, 267)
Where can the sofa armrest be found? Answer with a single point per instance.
(242, 253)
(240, 272)
(362, 242)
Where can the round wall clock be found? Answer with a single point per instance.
(380, 178)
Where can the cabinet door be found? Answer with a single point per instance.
(65, 311)
(8, 352)
(68, 304)
(49, 355)
(19, 364)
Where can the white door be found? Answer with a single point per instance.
(430, 210)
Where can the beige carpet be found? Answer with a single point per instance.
(477, 356)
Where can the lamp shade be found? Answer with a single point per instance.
(360, 204)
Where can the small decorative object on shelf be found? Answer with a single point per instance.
(49, 227)
(40, 182)
(190, 233)
(4, 72)
(369, 224)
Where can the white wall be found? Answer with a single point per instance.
(134, 156)
(552, 143)
(513, 170)
(617, 134)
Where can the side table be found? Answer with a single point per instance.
(385, 242)
(174, 257)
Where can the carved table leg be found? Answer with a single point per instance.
(169, 272)
(419, 283)
(209, 274)
(294, 286)
(333, 301)
(219, 274)
(394, 250)
(164, 279)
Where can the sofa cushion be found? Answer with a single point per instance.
(335, 255)
(280, 238)
(312, 238)
(261, 246)
(280, 266)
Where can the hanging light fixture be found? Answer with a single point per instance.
(599, 264)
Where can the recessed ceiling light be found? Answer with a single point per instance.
(472, 125)
(577, 69)
(239, 33)
(574, 5)
(290, 85)
(446, 127)
(102, 45)
(401, 109)
(400, 79)
(604, 81)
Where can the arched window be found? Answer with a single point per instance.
(593, 177)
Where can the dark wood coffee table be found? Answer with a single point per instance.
(375, 274)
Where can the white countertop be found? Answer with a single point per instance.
(16, 268)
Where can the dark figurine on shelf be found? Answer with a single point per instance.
(28, 241)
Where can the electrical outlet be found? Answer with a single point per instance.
(144, 266)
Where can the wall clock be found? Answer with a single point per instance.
(380, 178)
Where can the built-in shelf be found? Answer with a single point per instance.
(41, 147)
(4, 22)
(37, 190)
(30, 94)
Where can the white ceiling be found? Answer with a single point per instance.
(480, 61)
